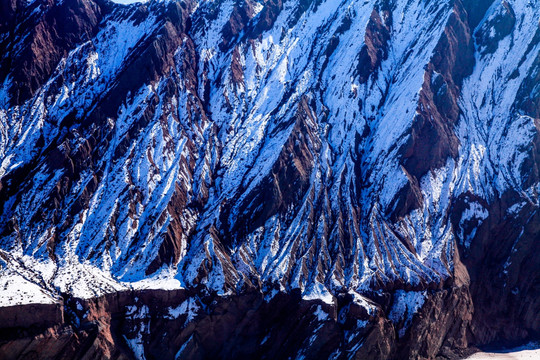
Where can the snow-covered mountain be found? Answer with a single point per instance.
(268, 178)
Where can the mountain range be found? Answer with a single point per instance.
(303, 179)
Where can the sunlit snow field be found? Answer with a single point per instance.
(526, 352)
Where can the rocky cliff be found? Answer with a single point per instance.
(268, 178)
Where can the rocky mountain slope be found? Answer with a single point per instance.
(268, 178)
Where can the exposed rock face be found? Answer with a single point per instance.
(46, 36)
(169, 324)
(268, 179)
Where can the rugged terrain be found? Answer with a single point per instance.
(267, 178)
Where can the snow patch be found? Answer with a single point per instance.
(406, 305)
(189, 308)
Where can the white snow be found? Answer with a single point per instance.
(320, 313)
(530, 351)
(16, 290)
(20, 286)
(406, 305)
(318, 292)
(189, 308)
(108, 246)
(142, 328)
